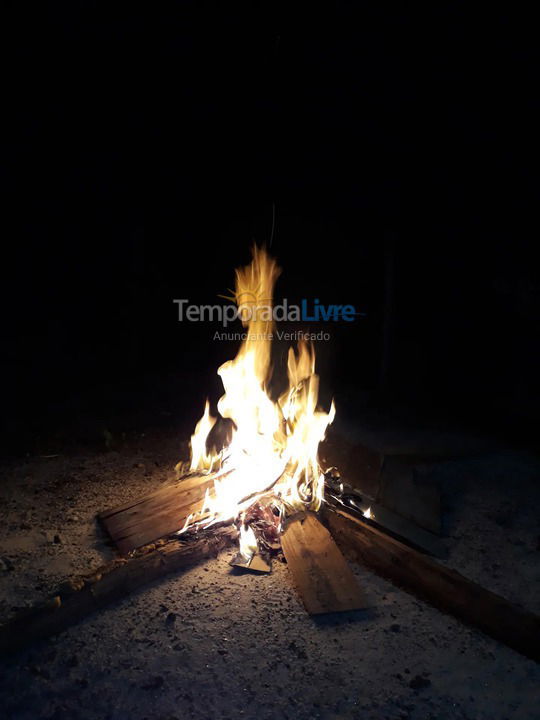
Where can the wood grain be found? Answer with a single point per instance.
(321, 574)
(148, 518)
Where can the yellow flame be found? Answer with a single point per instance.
(274, 445)
(200, 459)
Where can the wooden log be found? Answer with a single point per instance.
(77, 599)
(389, 522)
(321, 574)
(146, 519)
(405, 492)
(444, 588)
(392, 481)
(164, 512)
(358, 465)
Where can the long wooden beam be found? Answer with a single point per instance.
(79, 598)
(441, 586)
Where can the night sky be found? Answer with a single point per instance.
(145, 153)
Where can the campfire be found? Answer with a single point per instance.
(268, 468)
(255, 481)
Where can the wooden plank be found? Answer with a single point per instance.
(82, 596)
(405, 492)
(393, 482)
(444, 588)
(156, 515)
(390, 523)
(321, 574)
(185, 483)
(358, 465)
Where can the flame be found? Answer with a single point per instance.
(248, 541)
(200, 459)
(273, 450)
(368, 514)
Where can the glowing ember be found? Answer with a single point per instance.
(272, 456)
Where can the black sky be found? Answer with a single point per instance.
(144, 152)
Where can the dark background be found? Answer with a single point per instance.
(145, 152)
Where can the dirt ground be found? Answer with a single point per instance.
(209, 643)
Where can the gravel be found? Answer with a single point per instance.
(215, 643)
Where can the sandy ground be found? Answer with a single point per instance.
(209, 643)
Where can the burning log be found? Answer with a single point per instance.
(321, 574)
(444, 588)
(164, 512)
(78, 598)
